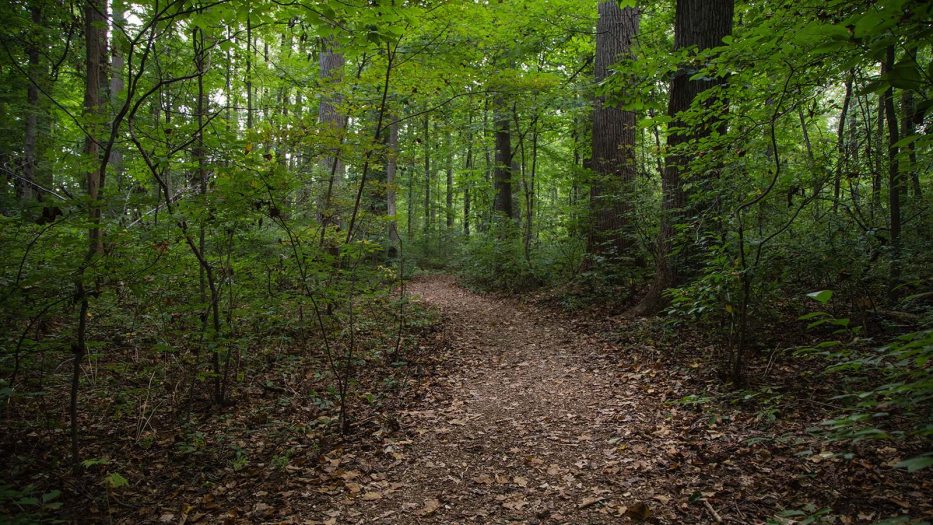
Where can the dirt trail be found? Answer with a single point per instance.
(525, 427)
(520, 418)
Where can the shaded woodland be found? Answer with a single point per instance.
(212, 213)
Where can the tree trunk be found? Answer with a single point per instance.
(427, 175)
(468, 176)
(333, 121)
(502, 172)
(909, 121)
(391, 165)
(613, 137)
(699, 24)
(116, 85)
(449, 169)
(894, 176)
(27, 189)
(843, 160)
(95, 27)
(95, 32)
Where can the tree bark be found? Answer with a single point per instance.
(613, 137)
(95, 32)
(843, 160)
(468, 168)
(427, 175)
(449, 169)
(333, 121)
(116, 85)
(699, 24)
(502, 171)
(27, 189)
(391, 166)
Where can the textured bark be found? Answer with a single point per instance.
(449, 169)
(95, 27)
(333, 120)
(428, 213)
(613, 137)
(502, 171)
(391, 166)
(468, 168)
(249, 72)
(116, 86)
(26, 189)
(95, 32)
(699, 24)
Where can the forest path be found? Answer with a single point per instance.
(528, 422)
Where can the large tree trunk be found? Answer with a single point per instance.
(699, 24)
(502, 172)
(613, 137)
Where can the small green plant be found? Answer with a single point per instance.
(195, 442)
(240, 459)
(808, 515)
(692, 400)
(28, 503)
(895, 381)
(280, 461)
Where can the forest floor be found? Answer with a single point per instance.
(521, 414)
(498, 410)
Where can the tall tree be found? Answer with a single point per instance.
(613, 136)
(449, 170)
(895, 184)
(391, 167)
(33, 181)
(698, 25)
(427, 173)
(502, 171)
(332, 118)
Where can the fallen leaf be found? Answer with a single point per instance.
(589, 501)
(430, 507)
(639, 511)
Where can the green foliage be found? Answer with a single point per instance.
(27, 504)
(495, 261)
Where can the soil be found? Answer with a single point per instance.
(519, 416)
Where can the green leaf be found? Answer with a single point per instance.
(822, 296)
(916, 463)
(115, 481)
